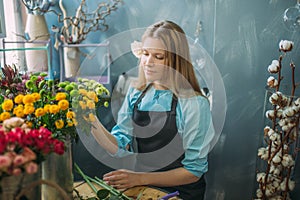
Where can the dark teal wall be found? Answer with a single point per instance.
(242, 39)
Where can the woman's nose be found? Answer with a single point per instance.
(149, 60)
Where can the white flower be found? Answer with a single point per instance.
(136, 49)
(286, 45)
(274, 67)
(272, 82)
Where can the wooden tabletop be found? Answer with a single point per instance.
(144, 193)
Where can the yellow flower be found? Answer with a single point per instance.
(91, 95)
(29, 124)
(75, 122)
(19, 99)
(82, 105)
(39, 112)
(96, 99)
(54, 109)
(70, 123)
(47, 108)
(36, 96)
(70, 114)
(28, 109)
(8, 105)
(60, 96)
(90, 104)
(28, 98)
(59, 124)
(4, 116)
(82, 91)
(63, 104)
(92, 117)
(19, 111)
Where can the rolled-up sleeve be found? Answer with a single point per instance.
(123, 129)
(196, 129)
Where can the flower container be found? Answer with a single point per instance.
(58, 169)
(12, 186)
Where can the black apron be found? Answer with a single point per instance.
(159, 146)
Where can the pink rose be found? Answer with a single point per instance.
(19, 160)
(31, 168)
(5, 161)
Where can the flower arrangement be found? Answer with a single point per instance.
(281, 137)
(57, 106)
(22, 149)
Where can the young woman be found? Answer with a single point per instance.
(164, 119)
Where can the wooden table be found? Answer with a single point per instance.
(145, 193)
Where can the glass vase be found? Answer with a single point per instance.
(12, 186)
(58, 169)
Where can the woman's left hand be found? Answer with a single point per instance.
(122, 179)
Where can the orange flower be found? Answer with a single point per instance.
(8, 105)
(28, 98)
(60, 96)
(54, 109)
(39, 112)
(4, 116)
(59, 124)
(63, 104)
(36, 96)
(19, 99)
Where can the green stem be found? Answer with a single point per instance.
(86, 178)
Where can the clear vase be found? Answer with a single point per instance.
(37, 30)
(58, 169)
(11, 186)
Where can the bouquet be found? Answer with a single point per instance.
(22, 149)
(58, 106)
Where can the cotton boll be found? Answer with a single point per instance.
(275, 170)
(276, 159)
(259, 193)
(286, 45)
(266, 130)
(263, 153)
(274, 136)
(291, 185)
(274, 67)
(270, 114)
(282, 122)
(260, 177)
(297, 101)
(272, 82)
(288, 112)
(287, 160)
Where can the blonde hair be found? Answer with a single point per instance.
(181, 78)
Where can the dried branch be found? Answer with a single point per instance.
(76, 28)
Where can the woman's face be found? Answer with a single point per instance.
(153, 59)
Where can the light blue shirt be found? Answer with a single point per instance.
(193, 118)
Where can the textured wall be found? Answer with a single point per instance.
(242, 38)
